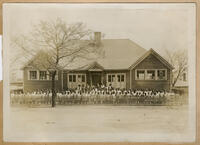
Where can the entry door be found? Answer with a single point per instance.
(96, 79)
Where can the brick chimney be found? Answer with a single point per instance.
(97, 37)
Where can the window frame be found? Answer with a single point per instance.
(46, 75)
(156, 78)
(75, 75)
(38, 75)
(137, 78)
(116, 77)
(29, 73)
(146, 74)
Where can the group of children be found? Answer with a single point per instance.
(93, 96)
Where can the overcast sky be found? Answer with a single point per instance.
(157, 26)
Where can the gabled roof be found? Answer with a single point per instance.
(95, 65)
(151, 51)
(118, 54)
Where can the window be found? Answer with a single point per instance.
(74, 78)
(117, 80)
(70, 78)
(113, 78)
(80, 78)
(109, 78)
(140, 74)
(120, 78)
(150, 75)
(161, 74)
(43, 75)
(83, 78)
(33, 75)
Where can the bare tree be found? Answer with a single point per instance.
(54, 45)
(179, 60)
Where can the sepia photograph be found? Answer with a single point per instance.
(106, 72)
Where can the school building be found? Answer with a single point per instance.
(125, 65)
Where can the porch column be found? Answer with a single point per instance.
(90, 76)
(130, 79)
(102, 77)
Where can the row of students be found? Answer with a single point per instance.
(94, 96)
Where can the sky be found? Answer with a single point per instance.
(157, 26)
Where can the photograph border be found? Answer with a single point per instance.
(197, 2)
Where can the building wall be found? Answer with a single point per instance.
(127, 72)
(151, 62)
(65, 77)
(104, 77)
(33, 85)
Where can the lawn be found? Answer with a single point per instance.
(98, 123)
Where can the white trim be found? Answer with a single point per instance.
(130, 79)
(29, 75)
(165, 74)
(95, 70)
(39, 75)
(153, 52)
(145, 75)
(76, 83)
(136, 74)
(115, 83)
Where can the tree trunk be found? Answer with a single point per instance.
(53, 89)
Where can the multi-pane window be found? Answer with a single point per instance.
(150, 75)
(33, 75)
(117, 80)
(76, 78)
(83, 78)
(140, 74)
(70, 78)
(161, 74)
(120, 77)
(111, 78)
(43, 75)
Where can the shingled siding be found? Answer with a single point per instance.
(151, 62)
(32, 85)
